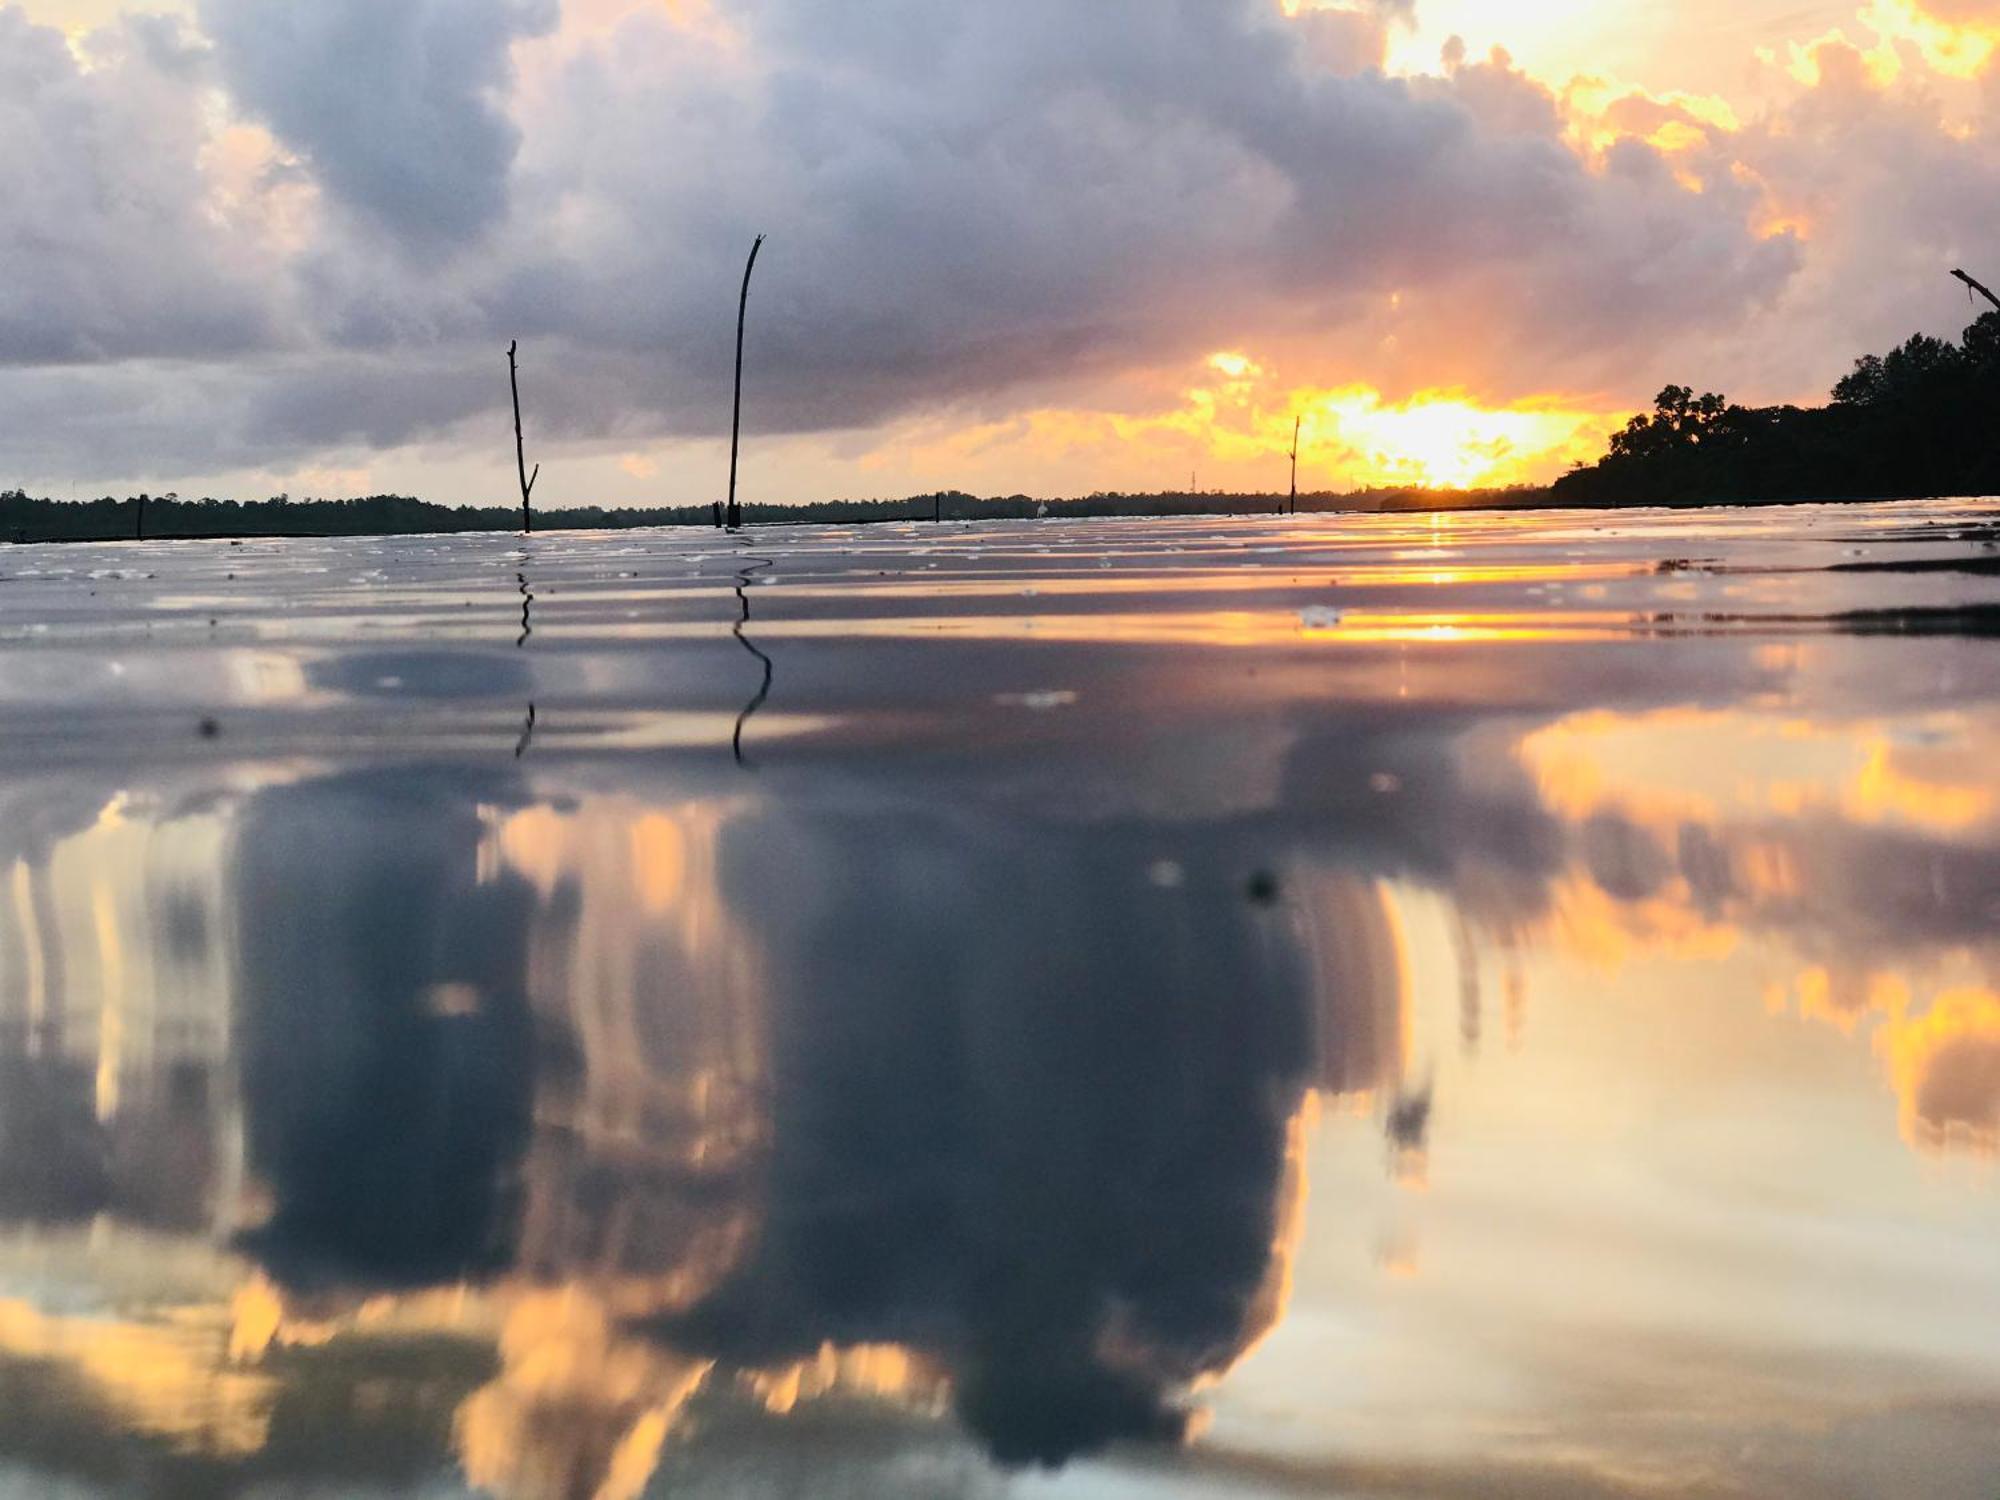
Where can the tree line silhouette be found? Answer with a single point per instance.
(1921, 420)
(25, 519)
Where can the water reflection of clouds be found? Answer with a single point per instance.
(1866, 859)
(1030, 1113)
(1005, 1108)
(110, 1039)
(385, 1038)
(734, 1100)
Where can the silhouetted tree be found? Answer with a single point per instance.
(1918, 420)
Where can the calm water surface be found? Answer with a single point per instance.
(1495, 1006)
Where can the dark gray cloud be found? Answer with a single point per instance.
(398, 105)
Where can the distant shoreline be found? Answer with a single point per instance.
(26, 521)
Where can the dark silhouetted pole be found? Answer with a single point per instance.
(520, 452)
(937, 513)
(1977, 287)
(736, 421)
(139, 522)
(1297, 422)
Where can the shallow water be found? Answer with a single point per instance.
(1364, 1006)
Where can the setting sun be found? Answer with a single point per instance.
(1442, 440)
(1352, 436)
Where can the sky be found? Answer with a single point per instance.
(1015, 245)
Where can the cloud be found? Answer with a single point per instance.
(966, 200)
(971, 207)
(109, 250)
(398, 106)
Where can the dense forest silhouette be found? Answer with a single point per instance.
(1922, 420)
(23, 519)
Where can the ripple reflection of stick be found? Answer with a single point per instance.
(527, 630)
(763, 695)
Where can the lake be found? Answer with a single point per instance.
(1484, 1005)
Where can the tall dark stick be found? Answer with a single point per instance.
(520, 452)
(1975, 286)
(736, 421)
(1297, 422)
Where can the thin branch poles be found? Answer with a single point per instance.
(1977, 287)
(520, 453)
(1297, 423)
(736, 421)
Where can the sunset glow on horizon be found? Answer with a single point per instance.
(1352, 436)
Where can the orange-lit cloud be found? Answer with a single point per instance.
(1945, 1067)
(1951, 40)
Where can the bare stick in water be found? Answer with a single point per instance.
(736, 422)
(1977, 287)
(520, 452)
(1297, 423)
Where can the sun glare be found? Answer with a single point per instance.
(1234, 427)
(1442, 440)
(1352, 436)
